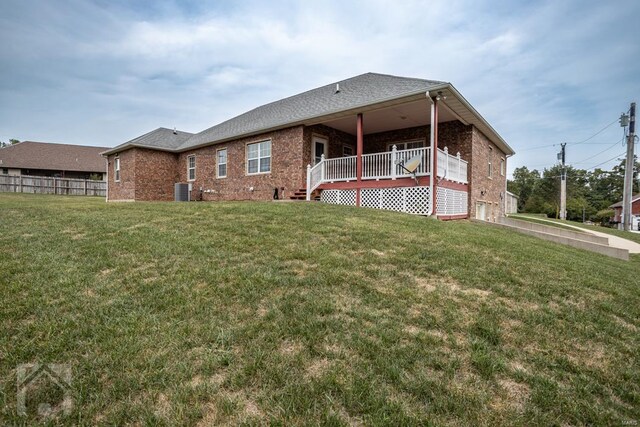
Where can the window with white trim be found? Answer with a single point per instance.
(222, 163)
(502, 167)
(116, 169)
(191, 168)
(490, 171)
(406, 145)
(259, 157)
(347, 150)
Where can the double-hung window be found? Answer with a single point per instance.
(405, 145)
(191, 168)
(259, 157)
(116, 169)
(222, 163)
(502, 168)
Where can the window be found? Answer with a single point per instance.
(5, 171)
(490, 169)
(406, 145)
(502, 168)
(259, 157)
(191, 168)
(222, 163)
(116, 169)
(347, 150)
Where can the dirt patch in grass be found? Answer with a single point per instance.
(620, 321)
(317, 368)
(163, 406)
(514, 395)
(215, 380)
(425, 284)
(290, 348)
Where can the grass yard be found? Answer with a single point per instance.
(296, 313)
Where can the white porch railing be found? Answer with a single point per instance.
(339, 169)
(386, 165)
(451, 167)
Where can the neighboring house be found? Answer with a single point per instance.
(511, 203)
(635, 212)
(53, 160)
(340, 143)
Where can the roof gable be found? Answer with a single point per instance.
(159, 139)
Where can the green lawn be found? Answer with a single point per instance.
(305, 313)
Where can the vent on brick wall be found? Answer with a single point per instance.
(182, 193)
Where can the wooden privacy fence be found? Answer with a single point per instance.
(50, 185)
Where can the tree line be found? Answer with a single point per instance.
(589, 193)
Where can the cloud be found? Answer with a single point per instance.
(103, 72)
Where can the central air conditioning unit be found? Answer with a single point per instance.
(182, 192)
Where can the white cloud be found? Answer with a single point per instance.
(540, 73)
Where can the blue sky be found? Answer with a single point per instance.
(103, 72)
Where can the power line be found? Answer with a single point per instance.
(603, 151)
(595, 134)
(606, 161)
(573, 143)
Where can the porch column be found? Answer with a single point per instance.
(359, 150)
(434, 150)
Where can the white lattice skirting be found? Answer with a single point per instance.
(339, 197)
(451, 202)
(413, 200)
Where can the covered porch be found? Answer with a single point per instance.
(360, 160)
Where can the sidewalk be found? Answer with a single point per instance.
(614, 241)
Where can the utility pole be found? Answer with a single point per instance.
(563, 183)
(627, 194)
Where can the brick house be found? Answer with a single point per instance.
(635, 213)
(53, 160)
(345, 143)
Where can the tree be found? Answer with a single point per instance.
(589, 191)
(11, 142)
(522, 184)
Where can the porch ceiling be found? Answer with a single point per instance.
(411, 114)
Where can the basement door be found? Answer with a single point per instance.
(481, 211)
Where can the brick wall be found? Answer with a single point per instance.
(125, 189)
(482, 188)
(336, 138)
(156, 175)
(144, 175)
(151, 175)
(288, 169)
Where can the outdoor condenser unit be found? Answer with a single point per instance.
(182, 192)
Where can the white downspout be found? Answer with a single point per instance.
(433, 173)
(506, 178)
(107, 161)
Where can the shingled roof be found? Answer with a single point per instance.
(340, 97)
(619, 204)
(355, 92)
(49, 156)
